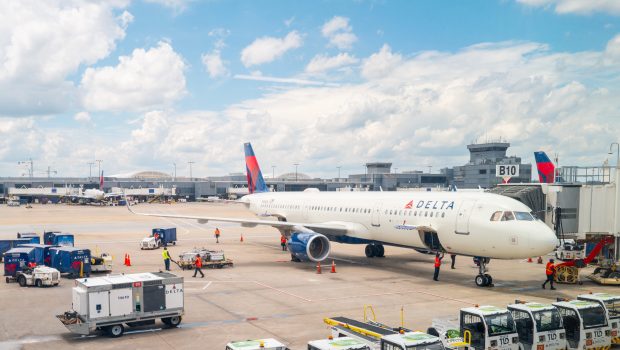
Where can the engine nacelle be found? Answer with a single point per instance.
(309, 246)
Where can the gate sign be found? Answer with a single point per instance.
(506, 171)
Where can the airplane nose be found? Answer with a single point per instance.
(543, 240)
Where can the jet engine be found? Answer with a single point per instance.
(308, 246)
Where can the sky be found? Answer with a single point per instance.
(143, 85)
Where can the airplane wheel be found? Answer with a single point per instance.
(481, 281)
(370, 252)
(489, 279)
(379, 251)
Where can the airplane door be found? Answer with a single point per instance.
(376, 216)
(462, 218)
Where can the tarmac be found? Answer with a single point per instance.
(264, 295)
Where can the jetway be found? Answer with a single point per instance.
(43, 191)
(146, 192)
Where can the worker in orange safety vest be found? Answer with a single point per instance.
(438, 259)
(198, 266)
(217, 235)
(550, 272)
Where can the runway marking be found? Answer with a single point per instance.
(255, 282)
(206, 286)
(283, 292)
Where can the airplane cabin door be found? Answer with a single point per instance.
(462, 218)
(376, 216)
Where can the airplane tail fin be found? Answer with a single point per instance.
(256, 183)
(546, 169)
(101, 180)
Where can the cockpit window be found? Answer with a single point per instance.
(496, 216)
(508, 215)
(523, 216)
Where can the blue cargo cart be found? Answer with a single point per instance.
(8, 244)
(15, 260)
(70, 260)
(34, 238)
(58, 239)
(41, 253)
(167, 235)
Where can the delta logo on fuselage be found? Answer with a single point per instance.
(436, 205)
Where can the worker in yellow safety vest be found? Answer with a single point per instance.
(166, 256)
(550, 272)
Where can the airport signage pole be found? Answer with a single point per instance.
(175, 171)
(190, 169)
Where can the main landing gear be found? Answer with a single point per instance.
(374, 250)
(483, 279)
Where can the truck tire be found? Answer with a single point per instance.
(173, 321)
(432, 331)
(115, 331)
(7, 280)
(21, 280)
(174, 243)
(38, 283)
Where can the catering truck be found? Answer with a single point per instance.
(113, 302)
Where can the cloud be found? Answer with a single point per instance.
(581, 7)
(323, 63)
(144, 80)
(177, 5)
(268, 49)
(43, 43)
(296, 81)
(339, 33)
(214, 64)
(82, 117)
(381, 63)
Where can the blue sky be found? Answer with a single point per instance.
(143, 84)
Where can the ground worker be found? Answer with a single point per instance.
(217, 235)
(438, 259)
(453, 258)
(550, 272)
(283, 243)
(166, 256)
(198, 266)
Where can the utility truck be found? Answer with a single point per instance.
(159, 237)
(112, 302)
(611, 303)
(539, 326)
(585, 323)
(39, 276)
(481, 327)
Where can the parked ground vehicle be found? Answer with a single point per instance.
(539, 326)
(101, 263)
(585, 323)
(112, 302)
(39, 276)
(611, 303)
(342, 343)
(159, 237)
(484, 327)
(256, 344)
(15, 260)
(69, 260)
(210, 259)
(568, 249)
(58, 238)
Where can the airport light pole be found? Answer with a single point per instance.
(90, 170)
(296, 165)
(31, 169)
(273, 172)
(430, 167)
(190, 169)
(338, 172)
(617, 152)
(99, 162)
(175, 171)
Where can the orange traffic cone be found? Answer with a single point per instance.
(333, 267)
(529, 260)
(125, 263)
(241, 239)
(318, 268)
(128, 260)
(540, 259)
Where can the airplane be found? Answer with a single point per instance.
(546, 169)
(482, 225)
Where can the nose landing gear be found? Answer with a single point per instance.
(483, 279)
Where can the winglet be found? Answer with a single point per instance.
(256, 183)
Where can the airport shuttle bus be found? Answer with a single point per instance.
(586, 325)
(539, 326)
(489, 328)
(611, 303)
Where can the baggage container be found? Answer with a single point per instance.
(21, 241)
(70, 260)
(34, 238)
(7, 244)
(112, 302)
(16, 259)
(59, 239)
(167, 235)
(41, 253)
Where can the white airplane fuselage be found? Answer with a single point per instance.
(461, 220)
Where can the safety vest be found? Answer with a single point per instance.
(549, 269)
(283, 240)
(437, 261)
(165, 254)
(198, 262)
(217, 231)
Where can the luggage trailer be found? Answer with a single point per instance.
(586, 325)
(539, 326)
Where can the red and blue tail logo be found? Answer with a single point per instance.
(256, 183)
(546, 169)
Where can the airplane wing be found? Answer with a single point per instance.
(333, 228)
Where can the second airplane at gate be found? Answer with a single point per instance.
(474, 224)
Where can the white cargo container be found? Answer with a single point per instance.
(108, 303)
